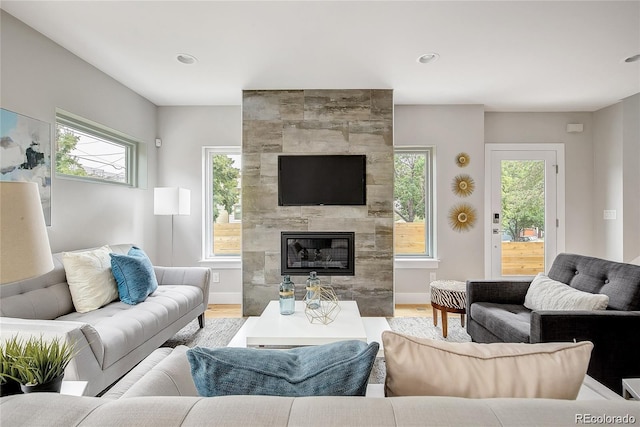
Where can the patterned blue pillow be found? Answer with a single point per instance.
(134, 275)
(337, 369)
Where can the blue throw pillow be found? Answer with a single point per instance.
(337, 369)
(134, 275)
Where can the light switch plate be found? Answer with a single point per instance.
(609, 214)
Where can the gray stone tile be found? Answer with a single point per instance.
(331, 105)
(315, 137)
(292, 104)
(262, 137)
(260, 105)
(372, 135)
(382, 104)
(256, 298)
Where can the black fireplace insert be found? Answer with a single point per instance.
(327, 253)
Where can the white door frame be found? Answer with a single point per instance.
(560, 194)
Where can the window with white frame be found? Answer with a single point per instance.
(413, 204)
(89, 151)
(223, 205)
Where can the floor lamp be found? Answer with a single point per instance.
(171, 201)
(24, 243)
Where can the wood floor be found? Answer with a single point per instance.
(402, 310)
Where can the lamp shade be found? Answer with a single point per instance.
(24, 243)
(171, 201)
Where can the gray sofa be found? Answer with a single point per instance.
(496, 313)
(114, 338)
(160, 391)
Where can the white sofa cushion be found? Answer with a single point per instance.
(424, 367)
(90, 280)
(548, 294)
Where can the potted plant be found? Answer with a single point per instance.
(41, 364)
(10, 350)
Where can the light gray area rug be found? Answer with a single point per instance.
(218, 332)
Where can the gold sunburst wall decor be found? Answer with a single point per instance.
(462, 159)
(463, 185)
(462, 217)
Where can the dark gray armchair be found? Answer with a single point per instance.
(496, 313)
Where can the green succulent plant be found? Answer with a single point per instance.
(36, 360)
(10, 350)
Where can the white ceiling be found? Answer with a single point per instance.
(507, 55)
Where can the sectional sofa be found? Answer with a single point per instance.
(160, 391)
(112, 339)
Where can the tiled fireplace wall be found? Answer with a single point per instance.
(278, 122)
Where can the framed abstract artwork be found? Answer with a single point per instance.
(25, 154)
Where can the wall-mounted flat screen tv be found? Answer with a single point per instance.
(322, 180)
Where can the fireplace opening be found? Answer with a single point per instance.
(327, 253)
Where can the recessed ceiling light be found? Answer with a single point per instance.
(185, 58)
(634, 58)
(428, 57)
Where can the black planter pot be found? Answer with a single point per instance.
(9, 388)
(52, 386)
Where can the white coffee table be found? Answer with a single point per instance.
(273, 330)
(276, 330)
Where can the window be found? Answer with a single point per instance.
(89, 151)
(412, 204)
(223, 208)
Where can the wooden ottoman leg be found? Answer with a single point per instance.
(444, 323)
(462, 319)
(435, 316)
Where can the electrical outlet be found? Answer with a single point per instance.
(215, 277)
(432, 276)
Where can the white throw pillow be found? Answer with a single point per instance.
(90, 280)
(549, 294)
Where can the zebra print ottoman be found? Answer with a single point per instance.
(448, 296)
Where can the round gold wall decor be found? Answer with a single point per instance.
(462, 159)
(463, 185)
(462, 217)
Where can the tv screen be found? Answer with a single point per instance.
(322, 180)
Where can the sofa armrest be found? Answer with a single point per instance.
(496, 291)
(613, 333)
(191, 276)
(87, 342)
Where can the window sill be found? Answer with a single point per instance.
(223, 263)
(415, 262)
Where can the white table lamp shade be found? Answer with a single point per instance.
(24, 243)
(171, 201)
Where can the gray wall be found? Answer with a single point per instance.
(552, 128)
(328, 122)
(184, 132)
(37, 76)
(616, 180)
(607, 182)
(450, 130)
(631, 177)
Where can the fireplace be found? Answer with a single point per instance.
(328, 253)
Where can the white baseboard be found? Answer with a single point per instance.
(225, 298)
(412, 298)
